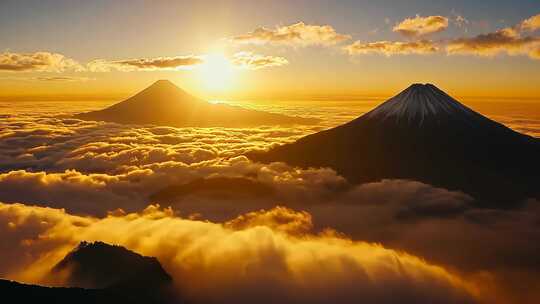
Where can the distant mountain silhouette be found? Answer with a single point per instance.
(222, 188)
(99, 265)
(163, 103)
(424, 134)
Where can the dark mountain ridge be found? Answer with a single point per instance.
(14, 292)
(99, 273)
(424, 134)
(100, 265)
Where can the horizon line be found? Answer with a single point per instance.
(270, 97)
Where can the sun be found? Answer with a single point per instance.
(217, 72)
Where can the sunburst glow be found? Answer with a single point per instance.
(217, 72)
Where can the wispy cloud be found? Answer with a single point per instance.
(145, 64)
(38, 61)
(461, 22)
(61, 78)
(390, 48)
(296, 34)
(420, 26)
(251, 61)
(510, 41)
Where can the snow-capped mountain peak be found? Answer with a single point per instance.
(420, 102)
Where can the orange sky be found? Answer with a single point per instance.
(269, 50)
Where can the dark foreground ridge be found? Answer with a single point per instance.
(424, 134)
(24, 293)
(163, 103)
(99, 273)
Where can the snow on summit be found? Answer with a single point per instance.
(420, 102)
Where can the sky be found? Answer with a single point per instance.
(269, 49)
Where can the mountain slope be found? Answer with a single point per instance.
(423, 134)
(163, 103)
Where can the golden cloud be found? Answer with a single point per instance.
(279, 219)
(420, 26)
(213, 263)
(390, 48)
(38, 61)
(510, 40)
(251, 61)
(507, 40)
(530, 24)
(145, 64)
(296, 34)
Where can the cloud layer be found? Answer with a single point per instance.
(251, 61)
(53, 62)
(38, 61)
(211, 263)
(390, 48)
(298, 34)
(516, 40)
(145, 64)
(508, 41)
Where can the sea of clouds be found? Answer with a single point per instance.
(291, 235)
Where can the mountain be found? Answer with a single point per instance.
(14, 292)
(424, 134)
(99, 273)
(163, 103)
(100, 265)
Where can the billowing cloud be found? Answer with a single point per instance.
(390, 48)
(300, 34)
(279, 219)
(38, 61)
(211, 263)
(420, 26)
(145, 64)
(88, 194)
(530, 24)
(508, 41)
(511, 41)
(251, 61)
